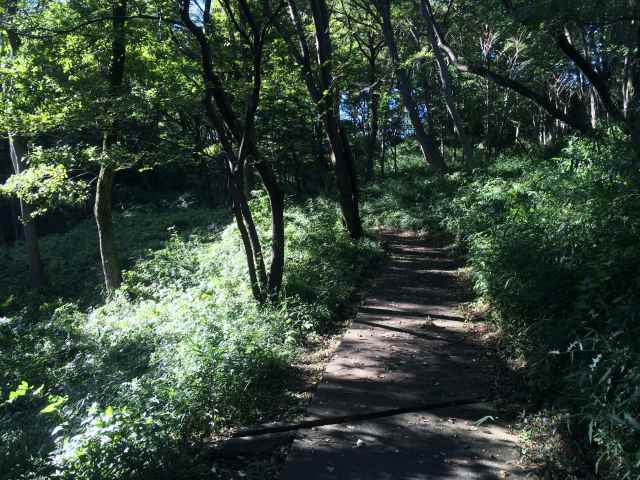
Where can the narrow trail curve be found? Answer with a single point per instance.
(406, 347)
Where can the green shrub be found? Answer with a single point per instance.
(181, 353)
(553, 246)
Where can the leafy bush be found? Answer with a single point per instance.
(410, 199)
(73, 255)
(553, 246)
(181, 353)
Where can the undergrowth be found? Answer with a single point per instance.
(552, 245)
(132, 388)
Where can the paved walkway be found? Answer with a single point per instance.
(406, 347)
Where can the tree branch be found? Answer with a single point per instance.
(595, 78)
(504, 81)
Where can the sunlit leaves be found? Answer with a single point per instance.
(45, 186)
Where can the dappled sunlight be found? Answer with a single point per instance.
(396, 356)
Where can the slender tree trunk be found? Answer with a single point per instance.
(244, 236)
(588, 41)
(276, 202)
(340, 149)
(383, 154)
(395, 159)
(322, 93)
(16, 152)
(247, 179)
(104, 186)
(445, 81)
(428, 101)
(429, 149)
(245, 224)
(487, 123)
(264, 285)
(375, 128)
(593, 108)
(374, 114)
(254, 239)
(231, 131)
(627, 86)
(104, 221)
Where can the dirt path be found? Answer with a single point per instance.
(406, 348)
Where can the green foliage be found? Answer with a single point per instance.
(44, 187)
(131, 388)
(409, 199)
(552, 246)
(323, 267)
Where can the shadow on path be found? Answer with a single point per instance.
(406, 347)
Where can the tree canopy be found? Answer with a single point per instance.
(227, 162)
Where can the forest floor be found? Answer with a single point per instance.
(408, 353)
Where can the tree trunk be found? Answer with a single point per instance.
(627, 86)
(276, 202)
(374, 114)
(429, 149)
(382, 156)
(231, 131)
(340, 151)
(104, 186)
(428, 101)
(445, 82)
(318, 145)
(256, 246)
(373, 133)
(593, 107)
(104, 221)
(395, 159)
(264, 286)
(245, 224)
(16, 153)
(17, 149)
